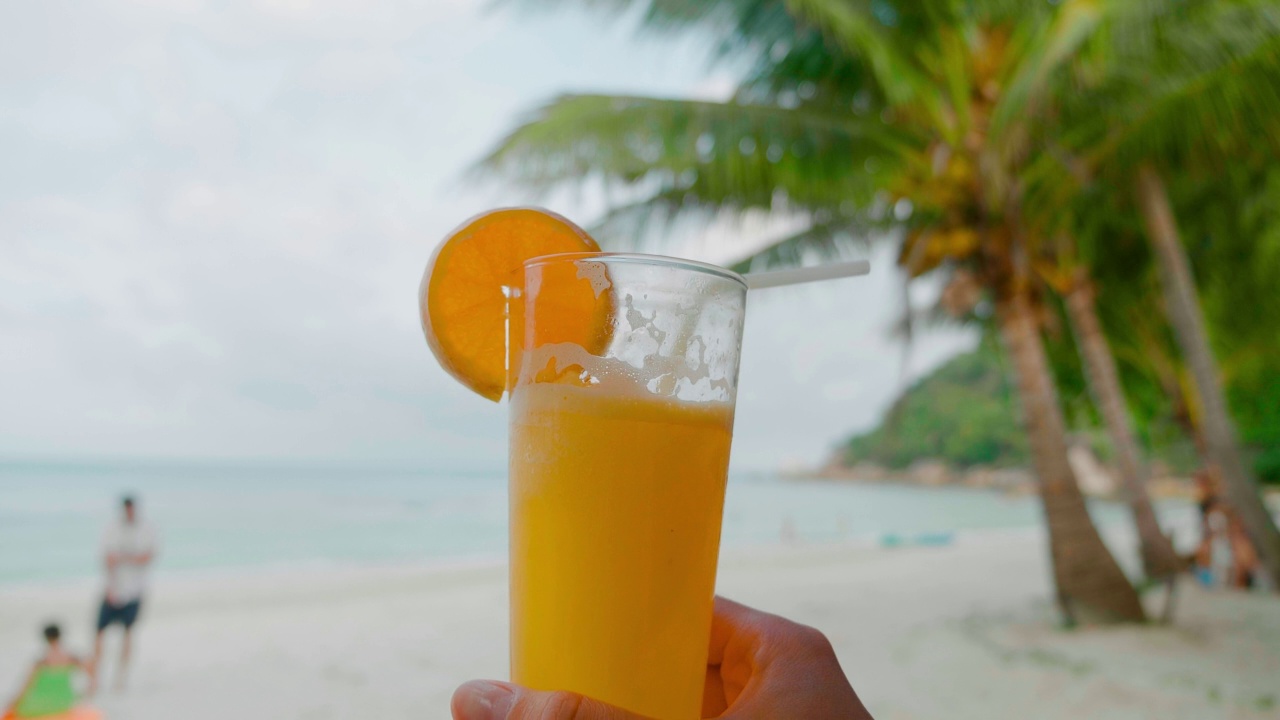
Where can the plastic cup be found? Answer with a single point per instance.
(619, 454)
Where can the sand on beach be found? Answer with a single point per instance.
(964, 631)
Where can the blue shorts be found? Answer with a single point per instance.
(126, 614)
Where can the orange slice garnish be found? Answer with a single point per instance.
(464, 294)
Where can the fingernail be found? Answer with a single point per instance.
(483, 700)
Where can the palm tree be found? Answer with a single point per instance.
(936, 103)
(1194, 86)
(1183, 306)
(1068, 267)
(1159, 559)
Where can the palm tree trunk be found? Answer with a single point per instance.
(1183, 308)
(1159, 560)
(1086, 575)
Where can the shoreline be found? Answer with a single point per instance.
(268, 571)
(1020, 481)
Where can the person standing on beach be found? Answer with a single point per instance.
(128, 548)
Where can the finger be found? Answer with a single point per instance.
(729, 620)
(769, 666)
(735, 626)
(492, 700)
(714, 702)
(739, 634)
(796, 674)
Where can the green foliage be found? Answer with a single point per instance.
(1234, 246)
(1181, 84)
(1231, 225)
(1266, 463)
(965, 413)
(1109, 240)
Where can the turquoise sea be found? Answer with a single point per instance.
(226, 516)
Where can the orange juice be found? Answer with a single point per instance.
(616, 503)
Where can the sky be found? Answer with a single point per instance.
(214, 217)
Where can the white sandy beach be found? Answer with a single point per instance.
(964, 631)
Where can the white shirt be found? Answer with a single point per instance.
(122, 538)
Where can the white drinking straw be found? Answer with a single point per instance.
(833, 271)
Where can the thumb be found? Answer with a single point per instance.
(493, 700)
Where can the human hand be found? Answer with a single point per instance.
(760, 666)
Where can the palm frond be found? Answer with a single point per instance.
(1040, 49)
(1193, 82)
(861, 32)
(659, 219)
(824, 239)
(750, 154)
(811, 68)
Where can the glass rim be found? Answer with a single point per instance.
(641, 259)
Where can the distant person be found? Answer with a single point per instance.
(1213, 556)
(1245, 566)
(1202, 559)
(128, 548)
(1206, 492)
(1218, 540)
(49, 691)
(760, 666)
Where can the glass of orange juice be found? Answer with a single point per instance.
(624, 376)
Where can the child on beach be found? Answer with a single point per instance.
(49, 692)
